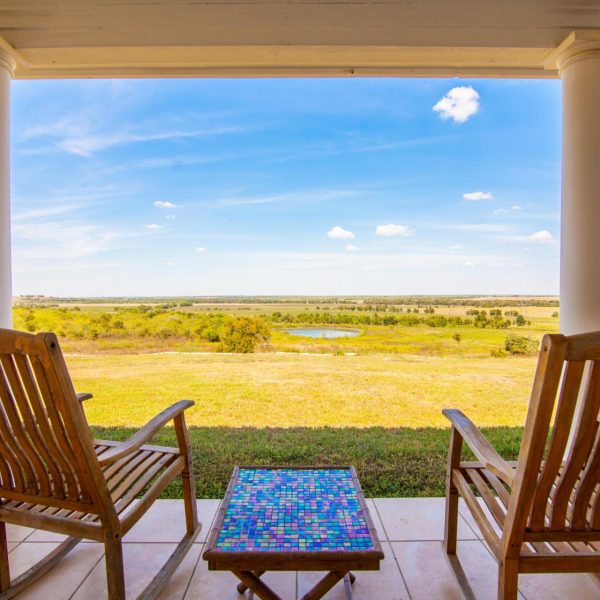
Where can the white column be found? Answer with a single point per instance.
(7, 66)
(578, 61)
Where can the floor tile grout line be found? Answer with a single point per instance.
(86, 577)
(392, 550)
(187, 587)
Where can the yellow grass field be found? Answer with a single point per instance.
(289, 390)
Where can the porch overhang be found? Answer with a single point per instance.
(221, 38)
(328, 38)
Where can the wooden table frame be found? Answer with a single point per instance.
(248, 566)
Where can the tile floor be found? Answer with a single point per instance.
(410, 530)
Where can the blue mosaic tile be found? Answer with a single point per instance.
(285, 510)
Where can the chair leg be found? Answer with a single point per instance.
(4, 570)
(508, 579)
(187, 475)
(451, 525)
(115, 577)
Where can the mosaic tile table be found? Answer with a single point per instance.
(293, 519)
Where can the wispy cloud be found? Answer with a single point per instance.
(164, 204)
(153, 227)
(87, 145)
(351, 248)
(475, 227)
(477, 196)
(75, 134)
(303, 196)
(200, 249)
(339, 233)
(458, 104)
(64, 240)
(392, 230)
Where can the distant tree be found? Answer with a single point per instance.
(520, 320)
(244, 334)
(555, 314)
(457, 337)
(519, 344)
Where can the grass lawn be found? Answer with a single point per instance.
(378, 412)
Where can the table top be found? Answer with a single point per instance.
(307, 514)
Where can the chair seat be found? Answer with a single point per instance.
(127, 478)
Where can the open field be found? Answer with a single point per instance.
(287, 390)
(380, 413)
(373, 400)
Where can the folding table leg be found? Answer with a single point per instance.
(253, 583)
(324, 585)
(242, 587)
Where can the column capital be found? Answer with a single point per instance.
(7, 61)
(578, 45)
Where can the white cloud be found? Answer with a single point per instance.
(476, 196)
(153, 226)
(351, 248)
(459, 104)
(200, 249)
(163, 204)
(338, 233)
(516, 207)
(470, 263)
(456, 247)
(392, 230)
(542, 237)
(500, 211)
(170, 217)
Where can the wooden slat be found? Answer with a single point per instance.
(142, 482)
(64, 454)
(585, 488)
(490, 501)
(40, 432)
(88, 529)
(18, 440)
(13, 479)
(132, 476)
(587, 428)
(158, 486)
(482, 521)
(558, 442)
(543, 396)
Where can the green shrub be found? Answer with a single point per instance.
(244, 334)
(520, 344)
(498, 353)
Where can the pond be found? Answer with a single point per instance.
(329, 334)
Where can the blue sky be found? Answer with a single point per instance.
(332, 186)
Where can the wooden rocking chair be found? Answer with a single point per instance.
(543, 512)
(53, 476)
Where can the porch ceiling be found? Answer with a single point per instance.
(162, 38)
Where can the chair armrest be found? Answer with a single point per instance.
(139, 438)
(481, 448)
(84, 396)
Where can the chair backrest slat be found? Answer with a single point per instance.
(586, 487)
(581, 448)
(23, 423)
(46, 450)
(558, 442)
(63, 451)
(557, 480)
(41, 432)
